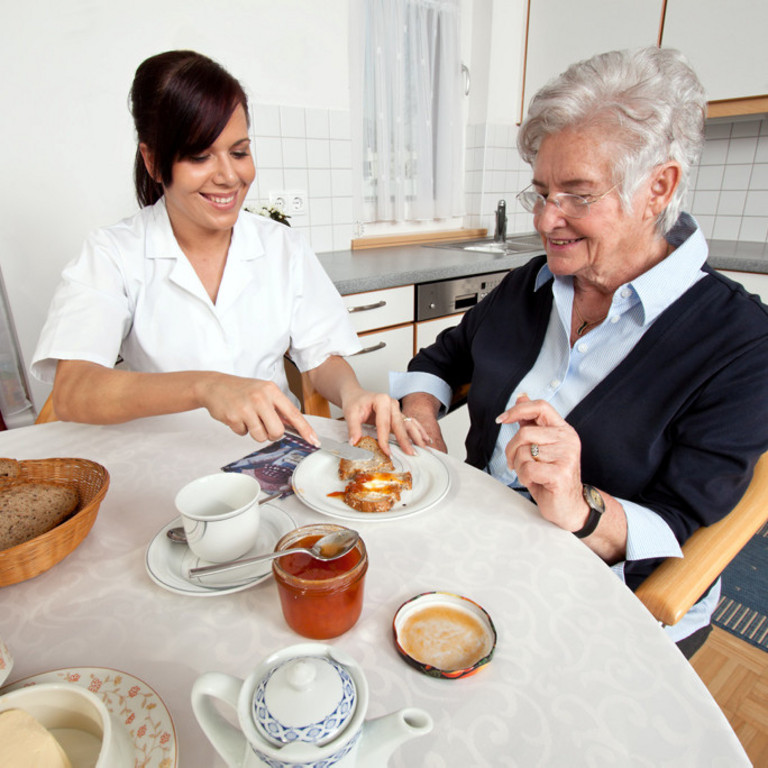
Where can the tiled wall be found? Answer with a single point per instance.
(728, 192)
(729, 189)
(306, 149)
(311, 149)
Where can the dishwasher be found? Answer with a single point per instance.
(440, 305)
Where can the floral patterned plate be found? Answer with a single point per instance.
(130, 700)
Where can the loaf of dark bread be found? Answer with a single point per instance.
(9, 469)
(30, 508)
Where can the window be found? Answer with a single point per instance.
(411, 111)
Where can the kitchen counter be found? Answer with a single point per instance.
(377, 268)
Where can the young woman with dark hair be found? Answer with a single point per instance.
(198, 298)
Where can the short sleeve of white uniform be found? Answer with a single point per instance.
(90, 312)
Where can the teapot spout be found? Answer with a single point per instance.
(384, 734)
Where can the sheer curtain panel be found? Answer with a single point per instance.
(412, 125)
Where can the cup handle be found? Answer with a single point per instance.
(227, 740)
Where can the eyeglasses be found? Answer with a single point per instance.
(572, 206)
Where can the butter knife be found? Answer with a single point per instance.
(337, 448)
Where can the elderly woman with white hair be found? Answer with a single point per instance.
(618, 380)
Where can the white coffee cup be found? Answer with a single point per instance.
(78, 720)
(220, 515)
(6, 661)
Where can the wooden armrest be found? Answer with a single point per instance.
(670, 591)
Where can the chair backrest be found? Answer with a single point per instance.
(312, 402)
(670, 591)
(46, 413)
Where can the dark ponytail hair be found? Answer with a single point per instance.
(180, 102)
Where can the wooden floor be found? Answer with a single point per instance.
(736, 674)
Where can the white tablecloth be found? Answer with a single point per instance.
(582, 674)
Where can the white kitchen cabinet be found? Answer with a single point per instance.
(384, 322)
(383, 351)
(380, 309)
(725, 43)
(454, 425)
(561, 33)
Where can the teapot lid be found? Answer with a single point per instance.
(308, 698)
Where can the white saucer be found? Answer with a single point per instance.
(168, 563)
(134, 703)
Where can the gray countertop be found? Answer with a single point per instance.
(377, 268)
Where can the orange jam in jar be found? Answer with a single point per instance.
(320, 598)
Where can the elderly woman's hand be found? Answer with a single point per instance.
(546, 455)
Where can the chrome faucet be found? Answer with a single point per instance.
(500, 235)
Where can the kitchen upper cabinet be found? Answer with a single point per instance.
(561, 32)
(725, 43)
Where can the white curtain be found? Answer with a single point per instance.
(412, 92)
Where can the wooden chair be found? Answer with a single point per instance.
(312, 402)
(670, 591)
(46, 412)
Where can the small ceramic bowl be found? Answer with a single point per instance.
(79, 721)
(444, 635)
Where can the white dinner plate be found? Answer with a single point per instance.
(134, 703)
(318, 475)
(168, 563)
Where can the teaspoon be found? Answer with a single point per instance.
(329, 547)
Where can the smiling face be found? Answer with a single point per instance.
(208, 190)
(609, 246)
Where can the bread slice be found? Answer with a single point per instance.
(379, 462)
(374, 492)
(30, 508)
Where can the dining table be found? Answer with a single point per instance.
(581, 674)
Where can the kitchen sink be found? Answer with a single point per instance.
(527, 243)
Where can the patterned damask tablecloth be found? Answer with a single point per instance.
(582, 674)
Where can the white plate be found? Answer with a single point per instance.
(168, 563)
(134, 703)
(318, 475)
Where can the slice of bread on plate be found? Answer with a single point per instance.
(373, 492)
(379, 462)
(31, 508)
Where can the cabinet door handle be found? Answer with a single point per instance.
(366, 307)
(374, 348)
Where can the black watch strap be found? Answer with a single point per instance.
(596, 508)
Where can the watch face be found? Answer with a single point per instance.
(595, 499)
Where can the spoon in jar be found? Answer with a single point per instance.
(330, 547)
(179, 536)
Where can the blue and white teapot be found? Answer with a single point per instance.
(302, 707)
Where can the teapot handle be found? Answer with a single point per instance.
(228, 741)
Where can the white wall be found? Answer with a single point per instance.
(67, 136)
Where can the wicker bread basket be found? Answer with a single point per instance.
(37, 555)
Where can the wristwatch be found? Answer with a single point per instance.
(596, 508)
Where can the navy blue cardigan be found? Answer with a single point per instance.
(677, 426)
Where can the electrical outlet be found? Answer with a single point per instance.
(292, 202)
